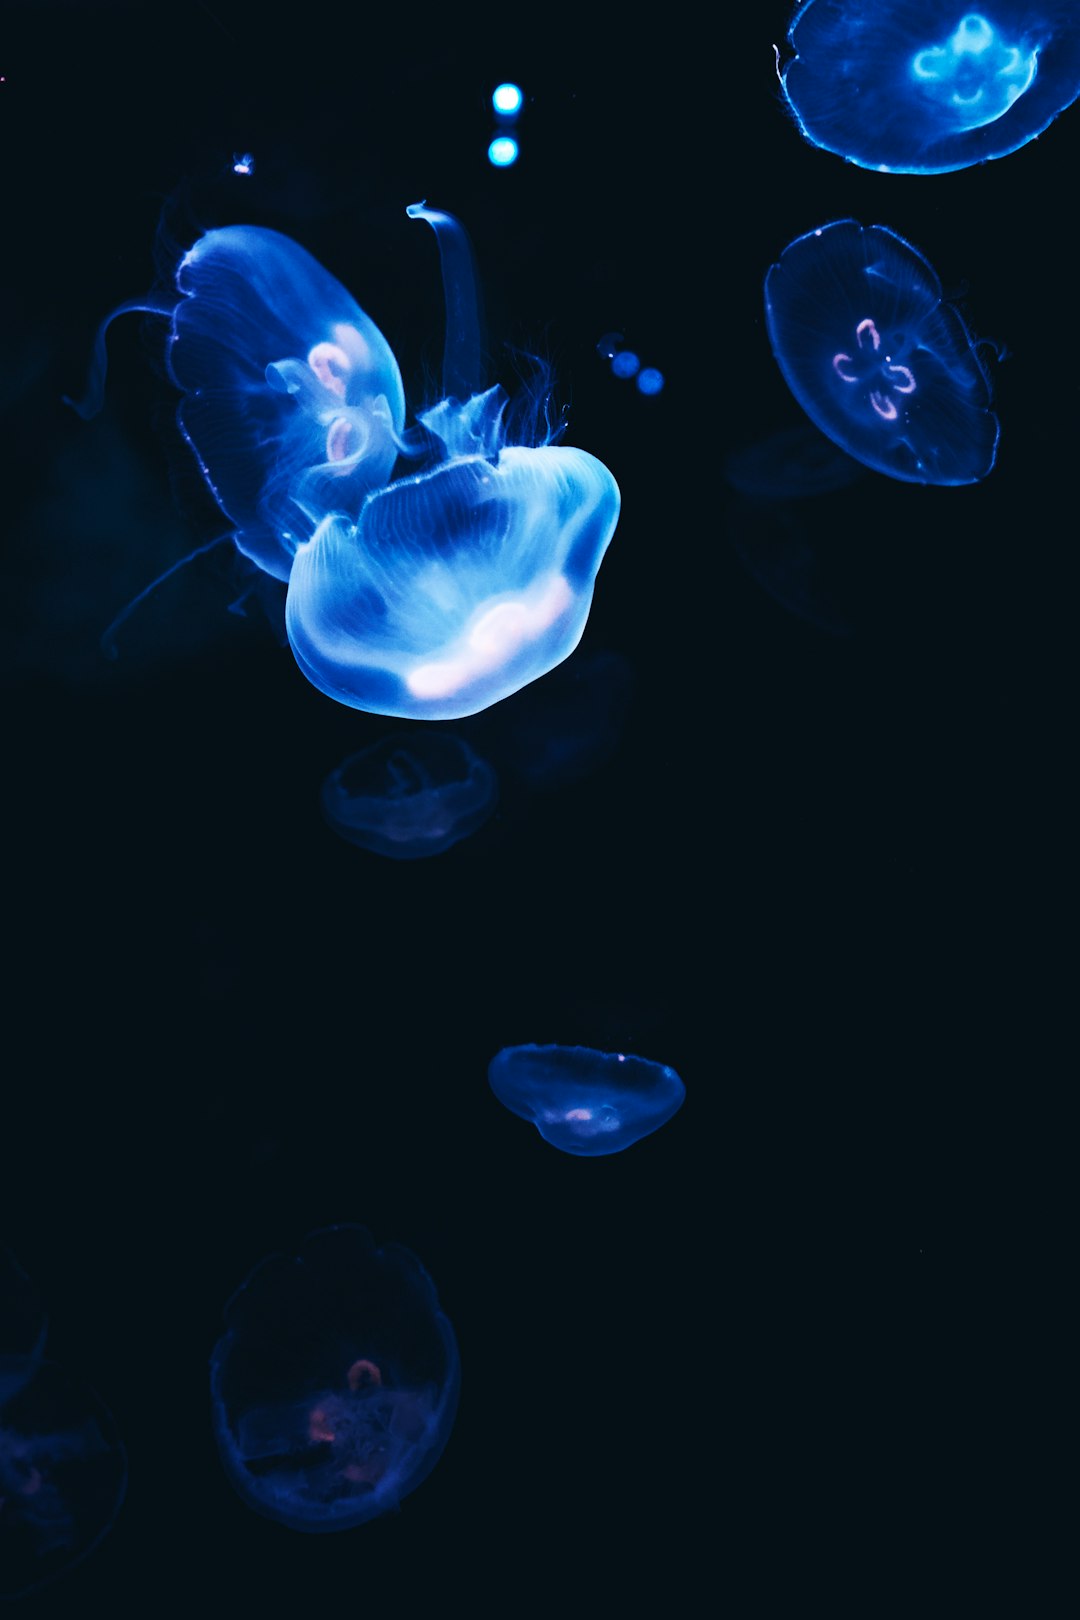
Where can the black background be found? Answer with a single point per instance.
(772, 1345)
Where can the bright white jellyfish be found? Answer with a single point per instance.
(926, 86)
(459, 585)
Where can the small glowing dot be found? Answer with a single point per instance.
(625, 364)
(243, 163)
(507, 99)
(609, 344)
(650, 381)
(503, 151)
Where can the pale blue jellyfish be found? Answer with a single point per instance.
(22, 1327)
(876, 358)
(293, 402)
(335, 1384)
(458, 585)
(412, 794)
(925, 86)
(584, 1102)
(63, 1472)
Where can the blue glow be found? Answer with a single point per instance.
(650, 381)
(507, 100)
(458, 585)
(293, 400)
(410, 795)
(585, 1102)
(625, 363)
(877, 359)
(63, 1473)
(243, 163)
(22, 1327)
(335, 1384)
(923, 86)
(503, 151)
(609, 345)
(431, 597)
(791, 465)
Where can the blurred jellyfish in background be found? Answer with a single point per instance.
(22, 1327)
(410, 795)
(924, 86)
(584, 1102)
(858, 324)
(63, 1472)
(335, 1384)
(430, 597)
(791, 465)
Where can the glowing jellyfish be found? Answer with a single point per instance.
(22, 1327)
(458, 585)
(859, 327)
(923, 86)
(412, 794)
(335, 1385)
(63, 1472)
(293, 400)
(582, 1101)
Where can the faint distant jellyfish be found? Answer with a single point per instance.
(791, 465)
(412, 794)
(859, 327)
(923, 86)
(293, 399)
(22, 1327)
(457, 586)
(335, 1384)
(568, 725)
(63, 1472)
(585, 1102)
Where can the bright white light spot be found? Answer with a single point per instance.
(507, 99)
(496, 635)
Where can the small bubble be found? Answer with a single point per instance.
(625, 364)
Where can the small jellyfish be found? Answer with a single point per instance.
(63, 1472)
(412, 794)
(876, 358)
(586, 1102)
(293, 402)
(22, 1327)
(791, 465)
(568, 725)
(457, 586)
(923, 86)
(335, 1384)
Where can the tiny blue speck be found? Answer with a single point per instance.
(625, 363)
(650, 381)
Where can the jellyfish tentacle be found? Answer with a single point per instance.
(463, 370)
(89, 404)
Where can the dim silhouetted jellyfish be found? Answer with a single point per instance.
(791, 465)
(459, 585)
(293, 402)
(63, 1472)
(412, 794)
(586, 1102)
(567, 726)
(924, 86)
(22, 1327)
(877, 359)
(335, 1384)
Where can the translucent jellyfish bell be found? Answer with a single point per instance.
(22, 1327)
(457, 586)
(584, 1102)
(859, 327)
(63, 1473)
(410, 795)
(335, 1384)
(926, 86)
(293, 399)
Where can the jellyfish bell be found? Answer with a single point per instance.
(929, 86)
(585, 1102)
(335, 1384)
(859, 326)
(461, 583)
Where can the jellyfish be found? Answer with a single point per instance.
(293, 402)
(876, 358)
(569, 725)
(586, 1102)
(22, 1327)
(335, 1384)
(459, 584)
(63, 1472)
(923, 86)
(412, 794)
(790, 466)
